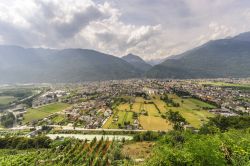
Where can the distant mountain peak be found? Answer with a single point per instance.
(131, 57)
(137, 62)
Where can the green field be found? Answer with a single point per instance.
(225, 84)
(5, 100)
(150, 106)
(44, 111)
(57, 119)
(192, 110)
(122, 117)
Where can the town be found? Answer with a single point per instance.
(135, 104)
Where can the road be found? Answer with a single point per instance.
(67, 128)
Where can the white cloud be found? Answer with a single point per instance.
(151, 29)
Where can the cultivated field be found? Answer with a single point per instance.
(124, 107)
(44, 111)
(5, 100)
(192, 110)
(161, 105)
(154, 123)
(119, 117)
(136, 107)
(151, 109)
(224, 84)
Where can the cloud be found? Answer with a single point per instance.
(151, 29)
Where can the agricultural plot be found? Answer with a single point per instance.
(119, 118)
(5, 100)
(161, 105)
(58, 119)
(224, 84)
(136, 107)
(154, 109)
(124, 107)
(154, 123)
(109, 123)
(139, 100)
(192, 110)
(151, 109)
(44, 111)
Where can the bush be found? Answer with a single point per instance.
(225, 123)
(147, 136)
(186, 148)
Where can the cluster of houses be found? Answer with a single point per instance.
(48, 97)
(92, 114)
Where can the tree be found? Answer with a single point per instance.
(176, 119)
(225, 123)
(8, 120)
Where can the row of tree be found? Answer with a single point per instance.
(24, 142)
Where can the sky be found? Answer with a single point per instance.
(152, 29)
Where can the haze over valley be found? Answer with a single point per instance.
(223, 58)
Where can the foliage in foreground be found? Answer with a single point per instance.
(222, 123)
(186, 148)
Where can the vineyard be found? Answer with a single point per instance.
(68, 152)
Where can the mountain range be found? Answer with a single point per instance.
(228, 57)
(22, 65)
(216, 59)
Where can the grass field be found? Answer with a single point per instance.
(140, 104)
(5, 100)
(123, 116)
(108, 124)
(129, 117)
(136, 107)
(57, 119)
(192, 110)
(139, 100)
(124, 107)
(161, 105)
(44, 111)
(151, 109)
(154, 123)
(224, 84)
